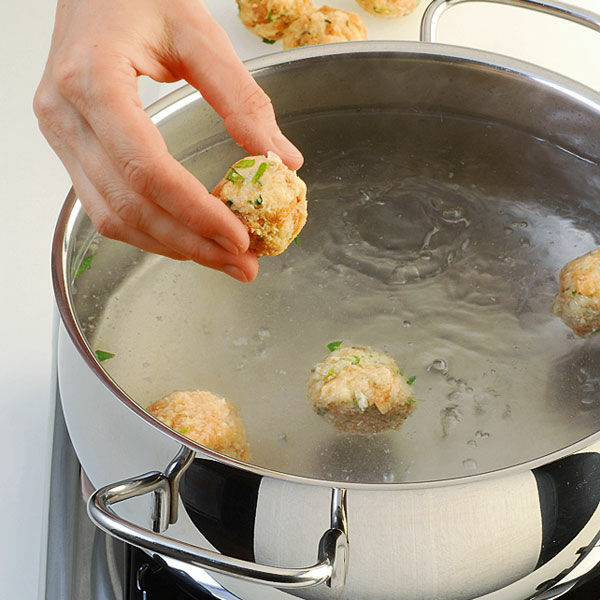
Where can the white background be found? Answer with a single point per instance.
(33, 185)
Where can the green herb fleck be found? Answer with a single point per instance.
(355, 360)
(296, 241)
(245, 163)
(411, 380)
(259, 172)
(229, 202)
(330, 373)
(266, 41)
(258, 201)
(270, 15)
(184, 430)
(321, 411)
(410, 400)
(237, 212)
(333, 346)
(234, 176)
(574, 292)
(102, 355)
(86, 265)
(327, 21)
(595, 332)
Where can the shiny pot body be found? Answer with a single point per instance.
(507, 531)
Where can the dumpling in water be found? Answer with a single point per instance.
(205, 418)
(578, 301)
(324, 26)
(360, 390)
(268, 198)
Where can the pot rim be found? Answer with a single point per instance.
(187, 94)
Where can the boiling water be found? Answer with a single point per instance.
(438, 241)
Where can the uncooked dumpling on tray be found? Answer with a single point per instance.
(269, 18)
(388, 9)
(323, 26)
(578, 301)
(205, 418)
(268, 198)
(360, 390)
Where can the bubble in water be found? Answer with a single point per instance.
(263, 333)
(406, 323)
(461, 385)
(440, 365)
(481, 435)
(450, 416)
(469, 465)
(508, 231)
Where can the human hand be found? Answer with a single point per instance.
(89, 110)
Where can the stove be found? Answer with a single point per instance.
(83, 563)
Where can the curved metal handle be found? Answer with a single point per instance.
(330, 567)
(434, 11)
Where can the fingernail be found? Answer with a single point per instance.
(235, 272)
(292, 153)
(226, 244)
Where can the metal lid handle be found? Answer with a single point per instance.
(575, 14)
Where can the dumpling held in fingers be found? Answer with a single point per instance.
(205, 418)
(389, 9)
(269, 18)
(324, 26)
(360, 390)
(578, 301)
(268, 198)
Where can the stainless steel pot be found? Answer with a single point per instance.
(447, 189)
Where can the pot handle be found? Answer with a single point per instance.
(575, 14)
(330, 568)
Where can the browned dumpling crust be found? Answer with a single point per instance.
(205, 418)
(360, 390)
(388, 9)
(268, 198)
(269, 18)
(324, 26)
(578, 301)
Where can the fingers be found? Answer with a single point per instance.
(108, 101)
(227, 85)
(89, 110)
(119, 213)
